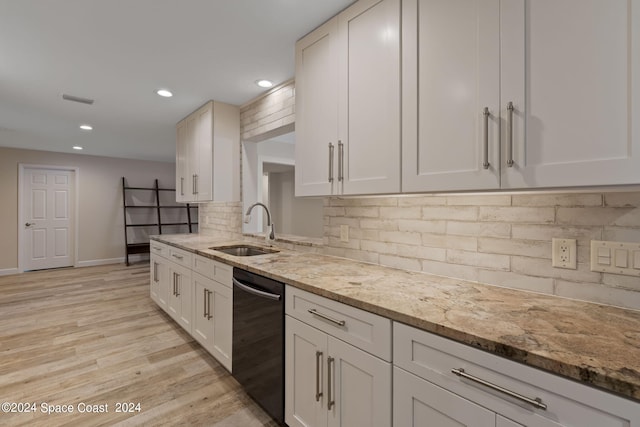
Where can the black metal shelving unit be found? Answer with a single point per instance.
(158, 207)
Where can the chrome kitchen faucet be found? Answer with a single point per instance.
(247, 217)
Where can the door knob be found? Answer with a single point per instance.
(29, 224)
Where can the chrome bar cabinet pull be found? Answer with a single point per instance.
(314, 312)
(180, 257)
(209, 315)
(485, 161)
(155, 271)
(537, 402)
(330, 162)
(330, 401)
(318, 380)
(204, 300)
(182, 186)
(510, 109)
(340, 161)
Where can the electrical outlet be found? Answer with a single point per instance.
(344, 233)
(564, 253)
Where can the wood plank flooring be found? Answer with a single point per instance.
(93, 336)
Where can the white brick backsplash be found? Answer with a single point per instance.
(495, 262)
(630, 199)
(450, 242)
(363, 212)
(529, 248)
(343, 220)
(557, 200)
(438, 227)
(508, 279)
(403, 213)
(456, 271)
(400, 262)
(460, 213)
(379, 247)
(333, 212)
(379, 224)
(401, 237)
(373, 201)
(598, 293)
(619, 281)
(351, 244)
(618, 234)
(548, 232)
(498, 229)
(599, 216)
(517, 214)
(407, 201)
(421, 252)
(542, 268)
(479, 200)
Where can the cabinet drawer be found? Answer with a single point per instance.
(368, 331)
(180, 257)
(569, 403)
(212, 269)
(159, 248)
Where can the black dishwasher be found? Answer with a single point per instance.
(258, 339)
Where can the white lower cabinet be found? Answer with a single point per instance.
(213, 317)
(159, 289)
(330, 382)
(180, 294)
(429, 389)
(197, 293)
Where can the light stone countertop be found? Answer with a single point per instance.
(592, 343)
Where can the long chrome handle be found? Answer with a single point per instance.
(197, 189)
(180, 257)
(485, 161)
(537, 402)
(156, 248)
(177, 284)
(209, 315)
(340, 161)
(330, 401)
(175, 287)
(318, 379)
(330, 162)
(155, 271)
(325, 317)
(510, 109)
(193, 184)
(204, 300)
(29, 224)
(255, 291)
(182, 185)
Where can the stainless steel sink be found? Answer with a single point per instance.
(244, 250)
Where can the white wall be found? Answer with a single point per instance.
(299, 216)
(100, 215)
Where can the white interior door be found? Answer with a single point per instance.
(48, 238)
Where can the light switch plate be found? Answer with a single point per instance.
(615, 257)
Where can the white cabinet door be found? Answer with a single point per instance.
(368, 151)
(571, 69)
(159, 288)
(451, 73)
(419, 403)
(505, 422)
(204, 153)
(202, 319)
(317, 111)
(180, 293)
(360, 385)
(183, 173)
(305, 375)
(220, 306)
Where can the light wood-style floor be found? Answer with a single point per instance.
(93, 336)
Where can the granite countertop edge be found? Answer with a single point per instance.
(622, 380)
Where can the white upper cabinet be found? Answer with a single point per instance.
(348, 103)
(208, 154)
(571, 69)
(451, 74)
(316, 111)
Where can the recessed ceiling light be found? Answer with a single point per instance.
(86, 127)
(164, 92)
(264, 83)
(77, 147)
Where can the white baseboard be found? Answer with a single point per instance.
(119, 260)
(8, 271)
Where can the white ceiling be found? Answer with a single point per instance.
(119, 52)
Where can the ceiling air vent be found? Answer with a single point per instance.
(77, 99)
